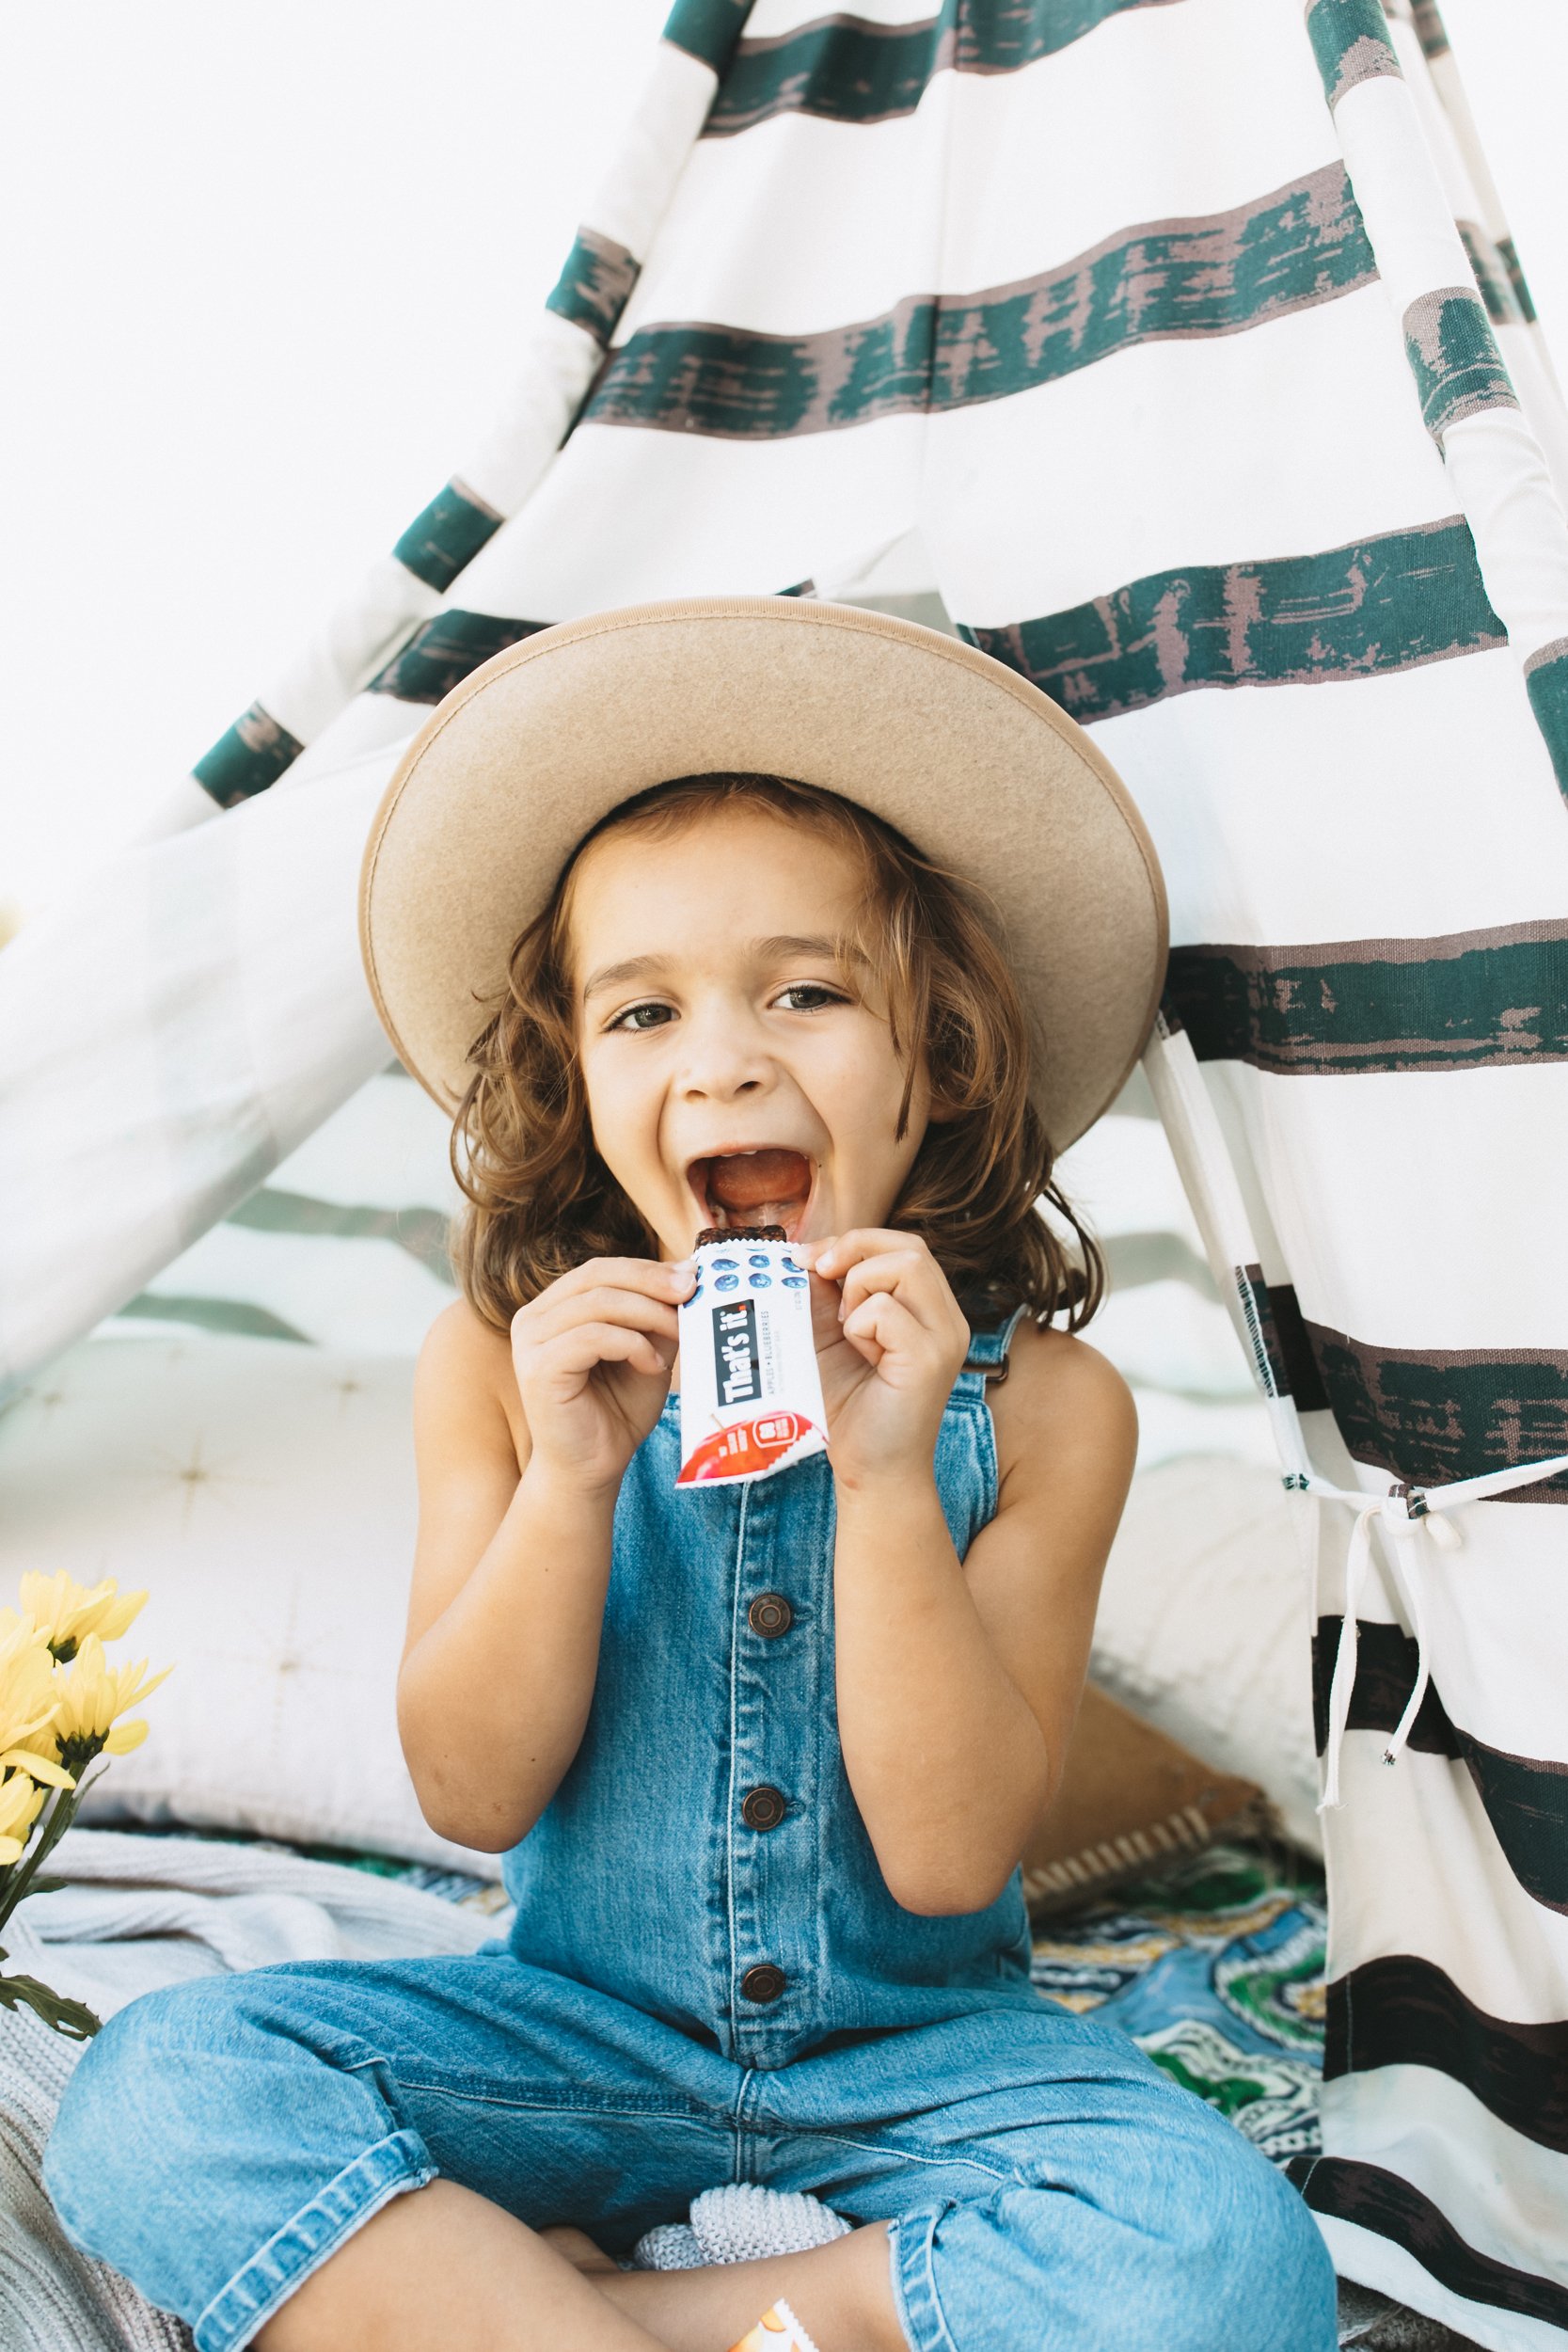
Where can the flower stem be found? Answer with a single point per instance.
(71, 2018)
(19, 1878)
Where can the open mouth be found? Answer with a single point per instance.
(769, 1186)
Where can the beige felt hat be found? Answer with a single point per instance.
(974, 765)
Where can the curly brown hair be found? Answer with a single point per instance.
(541, 1200)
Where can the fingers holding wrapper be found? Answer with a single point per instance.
(751, 1392)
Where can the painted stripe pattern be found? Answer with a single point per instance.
(844, 69)
(1386, 1665)
(1524, 1797)
(1300, 245)
(1381, 2201)
(1291, 1367)
(1432, 1415)
(1403, 2012)
(1429, 1415)
(1261, 1331)
(1430, 28)
(1350, 40)
(1546, 684)
(1485, 999)
(1383, 604)
(1290, 1350)
(248, 756)
(1517, 279)
(440, 654)
(707, 29)
(1493, 281)
(447, 535)
(1454, 358)
(593, 284)
(1451, 356)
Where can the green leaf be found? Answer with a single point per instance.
(71, 2018)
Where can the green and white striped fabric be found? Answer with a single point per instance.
(1179, 348)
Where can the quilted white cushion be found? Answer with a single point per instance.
(264, 1493)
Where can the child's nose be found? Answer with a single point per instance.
(720, 1078)
(722, 1063)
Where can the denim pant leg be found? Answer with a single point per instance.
(220, 2139)
(1046, 2184)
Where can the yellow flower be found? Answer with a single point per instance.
(27, 1685)
(20, 1801)
(91, 1696)
(64, 1612)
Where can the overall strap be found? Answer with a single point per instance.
(986, 1360)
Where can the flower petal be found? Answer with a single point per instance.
(117, 1616)
(37, 1767)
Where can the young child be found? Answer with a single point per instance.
(761, 1758)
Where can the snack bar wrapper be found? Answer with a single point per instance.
(750, 1394)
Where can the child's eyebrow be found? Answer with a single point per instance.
(785, 943)
(781, 945)
(612, 974)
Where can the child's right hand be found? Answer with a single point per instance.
(593, 1356)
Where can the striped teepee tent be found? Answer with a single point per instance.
(1177, 349)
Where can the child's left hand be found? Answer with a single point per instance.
(890, 1344)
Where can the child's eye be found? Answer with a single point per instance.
(809, 996)
(643, 1017)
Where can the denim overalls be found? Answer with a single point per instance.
(706, 1982)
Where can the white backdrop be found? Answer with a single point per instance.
(267, 267)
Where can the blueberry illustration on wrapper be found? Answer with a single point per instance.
(751, 1395)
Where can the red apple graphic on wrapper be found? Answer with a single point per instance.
(746, 1449)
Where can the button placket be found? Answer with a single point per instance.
(766, 1695)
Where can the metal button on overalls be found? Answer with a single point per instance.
(763, 1807)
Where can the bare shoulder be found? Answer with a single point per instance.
(465, 1400)
(1062, 1410)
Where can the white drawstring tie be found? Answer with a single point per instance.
(1411, 1517)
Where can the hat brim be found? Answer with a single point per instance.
(981, 771)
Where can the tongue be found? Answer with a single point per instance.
(746, 1182)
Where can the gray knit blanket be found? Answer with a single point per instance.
(137, 1913)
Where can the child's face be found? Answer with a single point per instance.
(738, 1061)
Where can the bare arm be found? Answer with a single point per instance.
(959, 1683)
(512, 1561)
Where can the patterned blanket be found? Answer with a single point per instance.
(1215, 1967)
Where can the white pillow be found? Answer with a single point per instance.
(264, 1493)
(1205, 1624)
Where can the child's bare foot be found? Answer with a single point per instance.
(577, 2247)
